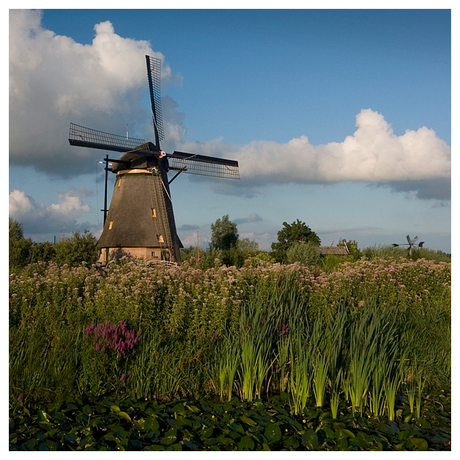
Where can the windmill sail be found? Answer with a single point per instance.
(154, 78)
(204, 165)
(87, 137)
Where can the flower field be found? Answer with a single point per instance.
(368, 341)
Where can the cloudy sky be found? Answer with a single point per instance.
(339, 118)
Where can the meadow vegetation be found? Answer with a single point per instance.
(229, 352)
(369, 338)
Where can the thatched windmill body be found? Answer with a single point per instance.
(140, 219)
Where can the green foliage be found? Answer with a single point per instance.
(71, 251)
(331, 263)
(224, 234)
(110, 424)
(305, 253)
(291, 234)
(190, 316)
(236, 255)
(19, 247)
(77, 249)
(391, 252)
(42, 251)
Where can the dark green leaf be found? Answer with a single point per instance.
(151, 424)
(344, 433)
(192, 408)
(179, 408)
(206, 432)
(155, 447)
(114, 408)
(167, 440)
(385, 429)
(43, 416)
(310, 414)
(71, 437)
(402, 435)
(236, 427)
(272, 433)
(210, 441)
(246, 443)
(310, 440)
(419, 443)
(329, 432)
(247, 420)
(87, 410)
(365, 437)
(124, 415)
(357, 442)
(424, 424)
(190, 445)
(291, 442)
(342, 444)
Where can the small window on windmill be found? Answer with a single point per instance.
(161, 239)
(154, 212)
(111, 225)
(153, 253)
(119, 181)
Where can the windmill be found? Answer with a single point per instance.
(140, 219)
(410, 243)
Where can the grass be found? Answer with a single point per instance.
(252, 332)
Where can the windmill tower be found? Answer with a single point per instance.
(140, 220)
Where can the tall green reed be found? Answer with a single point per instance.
(321, 347)
(301, 371)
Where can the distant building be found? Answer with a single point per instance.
(338, 251)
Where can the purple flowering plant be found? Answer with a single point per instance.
(108, 336)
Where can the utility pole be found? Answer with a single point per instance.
(197, 248)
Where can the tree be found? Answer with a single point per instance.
(42, 251)
(305, 253)
(291, 234)
(224, 234)
(19, 247)
(77, 249)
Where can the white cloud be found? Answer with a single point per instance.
(55, 80)
(373, 154)
(253, 217)
(191, 240)
(38, 218)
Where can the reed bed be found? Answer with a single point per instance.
(364, 335)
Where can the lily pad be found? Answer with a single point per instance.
(151, 424)
(246, 443)
(310, 440)
(419, 443)
(272, 433)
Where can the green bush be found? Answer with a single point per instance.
(305, 253)
(226, 331)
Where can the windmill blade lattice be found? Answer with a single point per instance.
(154, 78)
(87, 137)
(204, 165)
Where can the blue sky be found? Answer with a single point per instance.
(339, 118)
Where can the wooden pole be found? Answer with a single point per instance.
(197, 248)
